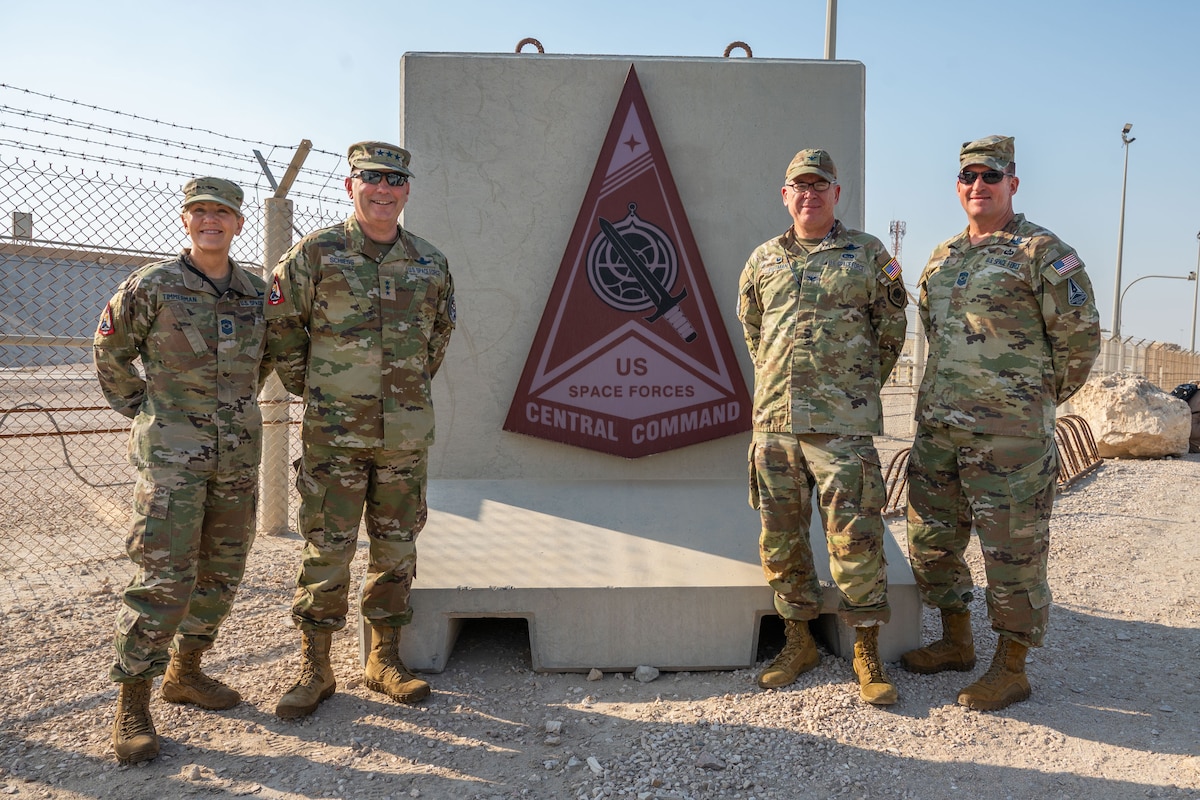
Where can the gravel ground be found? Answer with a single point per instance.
(1115, 711)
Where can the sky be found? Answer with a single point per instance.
(1062, 76)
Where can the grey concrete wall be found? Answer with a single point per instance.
(503, 149)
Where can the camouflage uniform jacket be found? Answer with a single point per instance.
(824, 330)
(197, 406)
(361, 340)
(1013, 331)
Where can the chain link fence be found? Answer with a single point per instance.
(71, 236)
(65, 482)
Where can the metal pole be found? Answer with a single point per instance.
(1195, 296)
(1116, 318)
(830, 30)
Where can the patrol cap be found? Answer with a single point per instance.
(811, 162)
(213, 190)
(996, 152)
(379, 155)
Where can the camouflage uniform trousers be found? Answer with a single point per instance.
(850, 495)
(335, 483)
(1006, 485)
(190, 535)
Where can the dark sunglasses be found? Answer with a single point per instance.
(373, 177)
(966, 177)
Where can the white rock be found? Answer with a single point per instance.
(595, 674)
(1132, 418)
(594, 765)
(645, 674)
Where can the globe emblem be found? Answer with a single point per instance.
(614, 281)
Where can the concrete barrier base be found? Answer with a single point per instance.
(614, 574)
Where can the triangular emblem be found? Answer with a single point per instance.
(631, 356)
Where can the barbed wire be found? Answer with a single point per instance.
(252, 168)
(161, 170)
(173, 125)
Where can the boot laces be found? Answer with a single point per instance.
(999, 665)
(872, 664)
(793, 646)
(135, 720)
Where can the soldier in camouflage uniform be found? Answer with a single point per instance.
(1013, 331)
(823, 310)
(196, 322)
(359, 317)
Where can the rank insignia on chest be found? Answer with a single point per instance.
(962, 279)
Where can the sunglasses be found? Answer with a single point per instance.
(373, 177)
(966, 177)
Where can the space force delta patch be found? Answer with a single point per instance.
(1076, 296)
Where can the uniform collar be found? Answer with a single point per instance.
(832, 240)
(239, 281)
(357, 240)
(1006, 235)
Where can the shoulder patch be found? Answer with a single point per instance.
(897, 295)
(1066, 264)
(106, 324)
(276, 295)
(1076, 296)
(891, 269)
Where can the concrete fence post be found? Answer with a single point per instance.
(273, 505)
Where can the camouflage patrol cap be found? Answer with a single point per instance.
(811, 162)
(996, 152)
(213, 190)
(379, 155)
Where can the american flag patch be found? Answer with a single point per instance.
(1066, 264)
(892, 269)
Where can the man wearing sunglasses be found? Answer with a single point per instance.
(1013, 331)
(823, 312)
(359, 316)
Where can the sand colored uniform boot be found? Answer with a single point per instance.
(316, 682)
(1003, 684)
(799, 655)
(185, 683)
(874, 686)
(955, 650)
(134, 738)
(386, 673)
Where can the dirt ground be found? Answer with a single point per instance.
(1115, 711)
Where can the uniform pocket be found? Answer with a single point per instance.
(755, 500)
(310, 517)
(874, 491)
(1031, 493)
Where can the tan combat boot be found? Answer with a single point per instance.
(316, 682)
(1003, 684)
(955, 650)
(874, 686)
(799, 655)
(185, 683)
(386, 673)
(134, 738)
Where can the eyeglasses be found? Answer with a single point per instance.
(373, 177)
(800, 187)
(966, 177)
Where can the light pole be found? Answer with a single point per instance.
(1191, 276)
(1126, 139)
